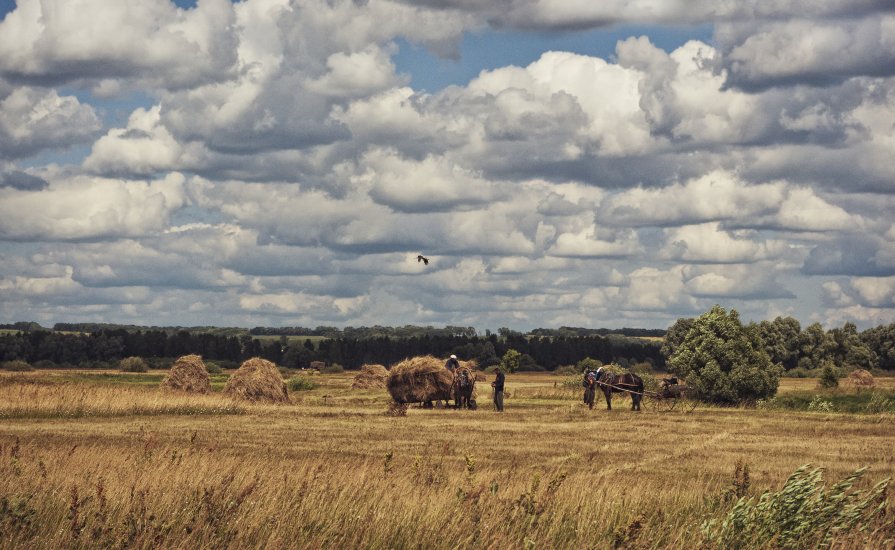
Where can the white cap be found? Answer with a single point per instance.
(453, 356)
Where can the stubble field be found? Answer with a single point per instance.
(88, 461)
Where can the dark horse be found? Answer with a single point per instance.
(464, 383)
(622, 383)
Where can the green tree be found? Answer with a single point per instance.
(588, 364)
(814, 346)
(781, 340)
(510, 361)
(829, 376)
(675, 335)
(724, 361)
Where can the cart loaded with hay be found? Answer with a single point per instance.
(425, 380)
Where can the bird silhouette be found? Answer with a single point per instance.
(423, 259)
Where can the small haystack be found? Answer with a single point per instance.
(419, 379)
(257, 380)
(189, 374)
(860, 378)
(370, 377)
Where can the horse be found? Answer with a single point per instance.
(621, 383)
(464, 383)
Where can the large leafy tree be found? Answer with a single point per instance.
(675, 335)
(724, 361)
(781, 340)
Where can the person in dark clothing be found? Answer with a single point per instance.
(452, 364)
(590, 388)
(498, 389)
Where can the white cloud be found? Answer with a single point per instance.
(708, 243)
(148, 40)
(714, 196)
(143, 147)
(87, 208)
(32, 119)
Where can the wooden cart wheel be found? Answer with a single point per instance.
(665, 404)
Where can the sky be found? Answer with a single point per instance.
(560, 162)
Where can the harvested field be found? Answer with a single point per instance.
(546, 473)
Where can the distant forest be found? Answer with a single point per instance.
(799, 350)
(102, 345)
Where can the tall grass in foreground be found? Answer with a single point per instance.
(335, 472)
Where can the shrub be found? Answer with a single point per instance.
(588, 364)
(335, 368)
(300, 383)
(819, 404)
(213, 368)
(133, 364)
(725, 362)
(566, 370)
(879, 403)
(803, 514)
(17, 366)
(829, 376)
(510, 361)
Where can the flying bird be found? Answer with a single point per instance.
(423, 259)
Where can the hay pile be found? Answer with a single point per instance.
(371, 376)
(257, 380)
(188, 373)
(860, 378)
(419, 379)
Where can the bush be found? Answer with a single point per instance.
(829, 376)
(17, 366)
(565, 370)
(803, 514)
(299, 383)
(133, 364)
(725, 362)
(213, 368)
(335, 368)
(588, 364)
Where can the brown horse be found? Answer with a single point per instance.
(464, 384)
(621, 383)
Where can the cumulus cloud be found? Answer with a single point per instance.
(54, 41)
(32, 119)
(708, 243)
(267, 162)
(143, 147)
(84, 208)
(807, 51)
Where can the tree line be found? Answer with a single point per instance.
(103, 348)
(794, 348)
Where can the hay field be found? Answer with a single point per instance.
(93, 465)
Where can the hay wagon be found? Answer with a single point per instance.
(670, 395)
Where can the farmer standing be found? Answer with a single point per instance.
(452, 364)
(590, 387)
(498, 389)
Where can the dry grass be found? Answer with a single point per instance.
(370, 376)
(259, 381)
(188, 374)
(333, 471)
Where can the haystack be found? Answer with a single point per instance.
(257, 380)
(419, 379)
(371, 376)
(860, 378)
(189, 374)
